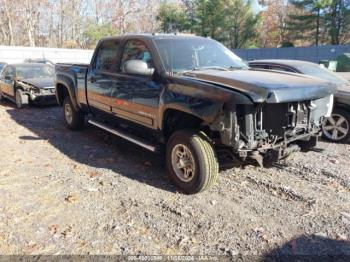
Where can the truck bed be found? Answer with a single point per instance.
(77, 74)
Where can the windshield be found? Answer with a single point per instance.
(34, 71)
(323, 73)
(184, 54)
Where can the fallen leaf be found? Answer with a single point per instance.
(71, 198)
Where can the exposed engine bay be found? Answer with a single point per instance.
(272, 131)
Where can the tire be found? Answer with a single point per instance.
(337, 127)
(191, 149)
(74, 119)
(19, 98)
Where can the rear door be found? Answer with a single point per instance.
(136, 98)
(101, 79)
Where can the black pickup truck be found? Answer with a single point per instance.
(192, 99)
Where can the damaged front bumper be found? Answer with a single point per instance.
(43, 96)
(271, 132)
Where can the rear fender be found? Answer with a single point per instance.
(68, 83)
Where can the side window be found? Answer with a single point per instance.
(260, 66)
(136, 50)
(8, 72)
(107, 57)
(3, 73)
(279, 68)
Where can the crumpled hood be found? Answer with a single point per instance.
(267, 86)
(46, 82)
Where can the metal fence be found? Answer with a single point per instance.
(16, 54)
(313, 54)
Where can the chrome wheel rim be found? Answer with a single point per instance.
(183, 163)
(18, 100)
(335, 127)
(68, 113)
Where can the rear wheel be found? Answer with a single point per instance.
(336, 128)
(74, 119)
(191, 161)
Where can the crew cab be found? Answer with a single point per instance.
(28, 83)
(192, 99)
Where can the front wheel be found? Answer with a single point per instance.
(74, 119)
(20, 99)
(191, 161)
(336, 128)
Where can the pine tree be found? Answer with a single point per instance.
(309, 19)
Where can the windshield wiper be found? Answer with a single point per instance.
(205, 68)
(210, 67)
(220, 68)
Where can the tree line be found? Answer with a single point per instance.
(279, 23)
(236, 23)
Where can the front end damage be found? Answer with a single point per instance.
(269, 132)
(38, 95)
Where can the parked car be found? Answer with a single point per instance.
(25, 83)
(345, 75)
(337, 127)
(193, 99)
(2, 65)
(39, 61)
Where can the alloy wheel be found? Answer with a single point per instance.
(335, 127)
(183, 162)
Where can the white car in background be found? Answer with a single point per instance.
(337, 127)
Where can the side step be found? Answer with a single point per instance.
(136, 140)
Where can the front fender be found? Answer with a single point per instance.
(197, 98)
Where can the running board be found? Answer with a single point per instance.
(131, 138)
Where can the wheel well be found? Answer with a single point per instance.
(342, 106)
(175, 120)
(62, 93)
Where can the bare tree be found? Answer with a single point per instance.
(9, 22)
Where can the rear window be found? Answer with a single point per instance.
(323, 73)
(34, 71)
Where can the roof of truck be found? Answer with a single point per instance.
(153, 36)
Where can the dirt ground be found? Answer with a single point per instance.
(87, 192)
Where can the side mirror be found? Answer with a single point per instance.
(138, 67)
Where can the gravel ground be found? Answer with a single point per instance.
(87, 192)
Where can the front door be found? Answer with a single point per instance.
(136, 97)
(7, 81)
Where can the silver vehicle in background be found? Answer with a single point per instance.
(337, 127)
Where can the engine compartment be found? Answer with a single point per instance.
(276, 129)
